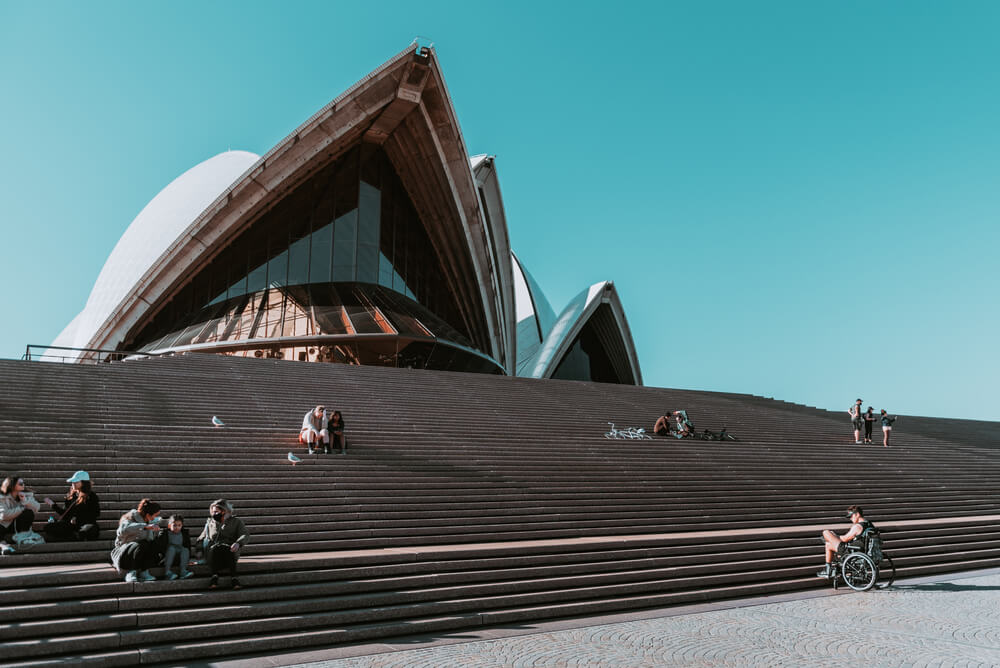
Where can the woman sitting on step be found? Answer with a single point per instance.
(135, 550)
(222, 539)
(17, 510)
(78, 520)
(336, 428)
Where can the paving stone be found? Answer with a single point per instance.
(950, 623)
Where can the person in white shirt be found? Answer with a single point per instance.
(315, 432)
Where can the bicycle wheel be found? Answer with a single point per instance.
(858, 571)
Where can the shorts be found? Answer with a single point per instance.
(858, 423)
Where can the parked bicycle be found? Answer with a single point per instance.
(631, 433)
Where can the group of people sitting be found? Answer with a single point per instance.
(320, 430)
(679, 425)
(674, 423)
(74, 519)
(142, 539)
(142, 542)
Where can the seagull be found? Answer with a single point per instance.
(217, 422)
(293, 459)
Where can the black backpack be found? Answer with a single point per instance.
(873, 542)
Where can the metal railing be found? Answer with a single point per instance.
(38, 353)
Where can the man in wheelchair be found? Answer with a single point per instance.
(860, 527)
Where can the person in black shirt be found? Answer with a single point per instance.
(78, 520)
(834, 543)
(869, 418)
(336, 428)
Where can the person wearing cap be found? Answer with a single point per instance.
(222, 539)
(856, 420)
(315, 432)
(834, 543)
(78, 520)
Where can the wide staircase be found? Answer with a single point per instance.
(462, 501)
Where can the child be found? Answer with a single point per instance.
(178, 544)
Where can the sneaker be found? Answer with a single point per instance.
(213, 582)
(311, 451)
(146, 576)
(6, 548)
(131, 577)
(825, 573)
(857, 442)
(187, 574)
(236, 584)
(171, 576)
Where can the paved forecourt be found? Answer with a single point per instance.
(949, 620)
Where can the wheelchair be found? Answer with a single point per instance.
(861, 563)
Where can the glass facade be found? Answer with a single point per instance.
(590, 355)
(342, 265)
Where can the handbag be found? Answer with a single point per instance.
(27, 538)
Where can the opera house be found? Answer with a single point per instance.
(366, 236)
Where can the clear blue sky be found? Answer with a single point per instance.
(794, 199)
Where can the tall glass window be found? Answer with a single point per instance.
(344, 253)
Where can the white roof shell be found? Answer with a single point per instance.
(152, 232)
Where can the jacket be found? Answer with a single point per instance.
(10, 507)
(80, 514)
(131, 529)
(310, 421)
(162, 540)
(231, 531)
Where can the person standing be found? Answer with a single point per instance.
(856, 420)
(78, 520)
(869, 417)
(222, 539)
(887, 421)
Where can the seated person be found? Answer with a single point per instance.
(78, 521)
(314, 432)
(17, 510)
(682, 425)
(173, 543)
(837, 544)
(336, 427)
(662, 426)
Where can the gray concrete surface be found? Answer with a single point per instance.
(949, 620)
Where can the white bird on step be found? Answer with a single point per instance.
(293, 459)
(217, 422)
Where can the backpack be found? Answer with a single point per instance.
(874, 542)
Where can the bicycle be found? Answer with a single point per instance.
(631, 433)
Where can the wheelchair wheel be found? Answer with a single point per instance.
(858, 571)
